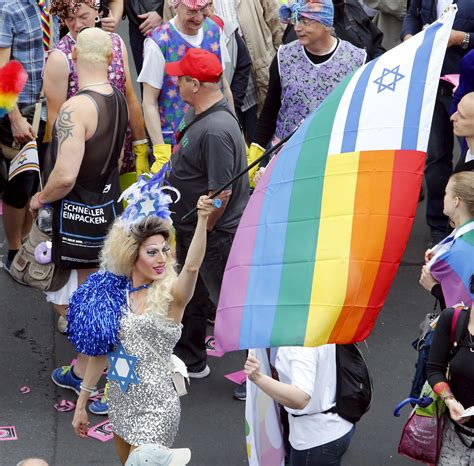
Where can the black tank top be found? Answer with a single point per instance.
(102, 151)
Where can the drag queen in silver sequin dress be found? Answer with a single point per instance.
(149, 411)
(139, 279)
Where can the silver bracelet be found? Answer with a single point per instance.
(141, 141)
(86, 388)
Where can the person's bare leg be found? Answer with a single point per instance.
(123, 448)
(13, 221)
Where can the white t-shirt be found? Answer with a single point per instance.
(153, 69)
(312, 370)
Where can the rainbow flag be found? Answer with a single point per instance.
(321, 239)
(452, 265)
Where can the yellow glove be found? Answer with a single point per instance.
(141, 158)
(162, 153)
(255, 151)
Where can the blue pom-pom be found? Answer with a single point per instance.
(94, 313)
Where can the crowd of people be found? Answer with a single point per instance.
(219, 82)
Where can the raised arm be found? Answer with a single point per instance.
(183, 289)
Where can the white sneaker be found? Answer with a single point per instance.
(62, 325)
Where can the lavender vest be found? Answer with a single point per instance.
(173, 47)
(117, 78)
(305, 85)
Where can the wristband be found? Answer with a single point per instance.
(141, 141)
(87, 389)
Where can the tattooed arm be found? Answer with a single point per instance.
(76, 122)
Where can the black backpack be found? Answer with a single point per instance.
(354, 384)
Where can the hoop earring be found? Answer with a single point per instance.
(98, 19)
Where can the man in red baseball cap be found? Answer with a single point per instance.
(210, 151)
(198, 64)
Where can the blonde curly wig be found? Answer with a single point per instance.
(120, 252)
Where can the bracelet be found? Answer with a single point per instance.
(86, 388)
(449, 397)
(141, 141)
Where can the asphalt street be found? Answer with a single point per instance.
(212, 422)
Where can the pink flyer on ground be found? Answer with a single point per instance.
(101, 431)
(236, 377)
(8, 433)
(211, 347)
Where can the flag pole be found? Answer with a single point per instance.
(243, 172)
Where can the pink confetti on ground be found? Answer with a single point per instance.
(8, 433)
(211, 347)
(101, 431)
(25, 389)
(236, 377)
(65, 406)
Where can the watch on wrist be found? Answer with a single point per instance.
(466, 40)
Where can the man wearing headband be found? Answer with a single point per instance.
(209, 153)
(162, 106)
(113, 10)
(304, 72)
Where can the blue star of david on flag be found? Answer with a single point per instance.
(122, 367)
(389, 79)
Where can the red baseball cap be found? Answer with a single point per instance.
(198, 64)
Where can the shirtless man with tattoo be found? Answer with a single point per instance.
(85, 149)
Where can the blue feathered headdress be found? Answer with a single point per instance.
(148, 197)
(94, 313)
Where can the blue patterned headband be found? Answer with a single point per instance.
(321, 11)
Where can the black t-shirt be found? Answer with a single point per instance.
(210, 153)
(461, 367)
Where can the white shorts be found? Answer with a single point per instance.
(63, 295)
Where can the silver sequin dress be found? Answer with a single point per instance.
(148, 412)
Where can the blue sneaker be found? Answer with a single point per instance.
(65, 378)
(100, 407)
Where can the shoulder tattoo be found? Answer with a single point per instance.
(64, 127)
